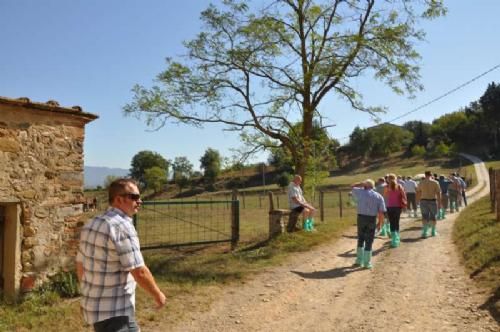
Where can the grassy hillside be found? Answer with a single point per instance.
(477, 238)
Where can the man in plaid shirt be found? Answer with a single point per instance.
(109, 263)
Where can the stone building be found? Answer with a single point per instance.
(41, 190)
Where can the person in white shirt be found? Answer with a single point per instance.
(298, 203)
(410, 188)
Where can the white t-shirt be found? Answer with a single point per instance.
(294, 191)
(410, 186)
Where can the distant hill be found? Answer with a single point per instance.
(95, 176)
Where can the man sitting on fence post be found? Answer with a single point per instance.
(298, 203)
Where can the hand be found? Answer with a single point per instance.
(160, 300)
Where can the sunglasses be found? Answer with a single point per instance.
(132, 196)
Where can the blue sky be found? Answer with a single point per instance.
(91, 52)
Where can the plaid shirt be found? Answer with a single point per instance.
(109, 249)
(370, 202)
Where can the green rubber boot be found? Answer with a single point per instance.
(388, 229)
(367, 258)
(424, 231)
(359, 256)
(306, 225)
(433, 231)
(311, 224)
(393, 240)
(382, 230)
(398, 239)
(444, 213)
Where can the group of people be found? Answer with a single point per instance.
(393, 194)
(109, 262)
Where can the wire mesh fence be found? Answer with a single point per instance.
(211, 220)
(175, 223)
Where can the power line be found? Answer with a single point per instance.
(445, 94)
(441, 96)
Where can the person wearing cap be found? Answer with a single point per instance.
(429, 196)
(370, 206)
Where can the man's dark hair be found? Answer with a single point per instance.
(428, 173)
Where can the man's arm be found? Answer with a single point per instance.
(79, 271)
(145, 279)
(304, 204)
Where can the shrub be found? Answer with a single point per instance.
(64, 283)
(418, 150)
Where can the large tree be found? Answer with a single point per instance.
(261, 71)
(490, 102)
(144, 160)
(183, 169)
(210, 162)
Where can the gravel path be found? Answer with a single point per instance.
(419, 286)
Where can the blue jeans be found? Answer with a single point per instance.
(117, 324)
(366, 231)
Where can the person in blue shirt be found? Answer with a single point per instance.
(370, 206)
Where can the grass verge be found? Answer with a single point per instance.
(477, 236)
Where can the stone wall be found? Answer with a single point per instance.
(41, 168)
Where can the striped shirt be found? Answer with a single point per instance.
(370, 202)
(109, 249)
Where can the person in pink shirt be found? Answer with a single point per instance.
(395, 198)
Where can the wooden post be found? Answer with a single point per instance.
(271, 200)
(278, 201)
(340, 203)
(235, 220)
(491, 172)
(497, 190)
(260, 202)
(321, 206)
(243, 196)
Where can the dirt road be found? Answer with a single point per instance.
(419, 286)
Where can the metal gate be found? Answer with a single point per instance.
(171, 224)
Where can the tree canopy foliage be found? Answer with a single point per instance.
(211, 166)
(144, 160)
(261, 71)
(468, 128)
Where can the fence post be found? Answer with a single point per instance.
(491, 172)
(243, 197)
(235, 220)
(340, 203)
(278, 201)
(497, 190)
(321, 205)
(260, 202)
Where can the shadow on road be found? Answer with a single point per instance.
(412, 239)
(492, 305)
(338, 272)
(409, 229)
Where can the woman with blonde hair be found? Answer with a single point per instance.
(395, 198)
